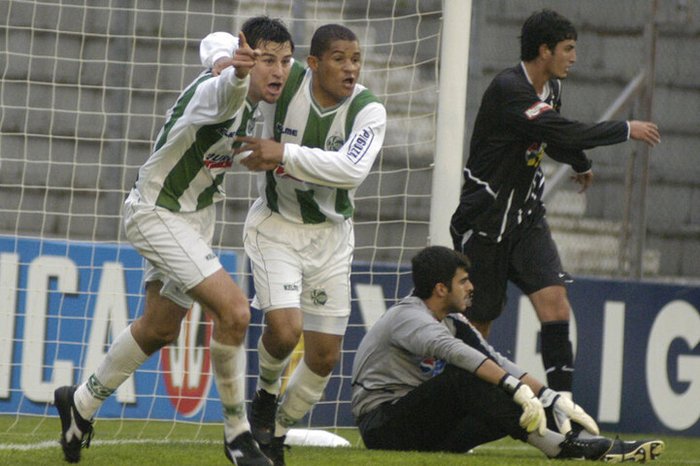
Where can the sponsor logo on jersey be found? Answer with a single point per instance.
(334, 143)
(291, 287)
(534, 154)
(284, 130)
(537, 109)
(432, 366)
(359, 144)
(280, 172)
(226, 133)
(212, 161)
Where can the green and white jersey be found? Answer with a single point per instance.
(328, 152)
(193, 149)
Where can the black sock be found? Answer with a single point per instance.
(557, 356)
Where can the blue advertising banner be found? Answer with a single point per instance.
(62, 303)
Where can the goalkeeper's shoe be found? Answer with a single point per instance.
(636, 451)
(76, 432)
(275, 450)
(244, 451)
(262, 416)
(589, 448)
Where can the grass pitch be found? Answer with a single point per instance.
(34, 441)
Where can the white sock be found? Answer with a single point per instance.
(304, 390)
(228, 364)
(271, 370)
(548, 443)
(122, 360)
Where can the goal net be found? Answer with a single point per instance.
(83, 90)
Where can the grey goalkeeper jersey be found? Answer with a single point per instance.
(408, 346)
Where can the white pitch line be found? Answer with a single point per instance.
(55, 444)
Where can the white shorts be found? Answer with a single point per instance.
(300, 266)
(177, 246)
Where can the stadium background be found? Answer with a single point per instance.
(84, 87)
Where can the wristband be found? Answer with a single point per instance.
(510, 384)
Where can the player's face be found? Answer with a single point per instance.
(460, 296)
(335, 72)
(562, 58)
(270, 72)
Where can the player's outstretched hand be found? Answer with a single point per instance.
(220, 65)
(645, 131)
(259, 154)
(243, 58)
(585, 179)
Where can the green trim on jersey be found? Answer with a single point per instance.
(315, 134)
(361, 100)
(271, 191)
(310, 213)
(316, 130)
(191, 162)
(179, 109)
(343, 204)
(296, 77)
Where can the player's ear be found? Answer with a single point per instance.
(544, 51)
(440, 289)
(312, 61)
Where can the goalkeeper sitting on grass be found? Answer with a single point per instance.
(424, 379)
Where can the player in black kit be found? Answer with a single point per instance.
(500, 221)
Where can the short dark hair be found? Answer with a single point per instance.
(433, 265)
(259, 30)
(544, 27)
(325, 35)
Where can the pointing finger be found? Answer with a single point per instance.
(242, 40)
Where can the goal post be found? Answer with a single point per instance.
(84, 87)
(452, 107)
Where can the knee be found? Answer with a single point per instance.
(322, 362)
(285, 337)
(235, 318)
(151, 337)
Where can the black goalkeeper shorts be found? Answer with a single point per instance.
(527, 256)
(454, 411)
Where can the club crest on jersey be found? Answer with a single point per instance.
(334, 143)
(537, 109)
(250, 127)
(432, 366)
(534, 154)
(359, 144)
(319, 296)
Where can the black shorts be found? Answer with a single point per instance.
(454, 411)
(527, 256)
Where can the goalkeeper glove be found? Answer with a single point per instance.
(565, 410)
(533, 417)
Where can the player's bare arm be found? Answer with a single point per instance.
(645, 131)
(265, 154)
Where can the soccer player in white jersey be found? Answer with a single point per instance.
(327, 131)
(169, 218)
